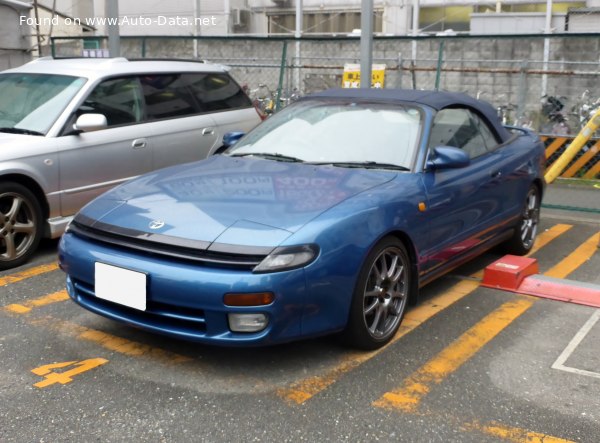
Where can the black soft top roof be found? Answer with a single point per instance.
(434, 99)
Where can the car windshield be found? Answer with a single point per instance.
(344, 134)
(31, 103)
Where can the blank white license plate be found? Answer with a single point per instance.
(121, 286)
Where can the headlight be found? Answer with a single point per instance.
(288, 257)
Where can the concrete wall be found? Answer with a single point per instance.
(14, 45)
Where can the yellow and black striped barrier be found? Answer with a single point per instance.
(584, 165)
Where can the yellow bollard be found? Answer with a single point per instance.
(584, 135)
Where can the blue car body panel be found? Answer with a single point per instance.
(226, 207)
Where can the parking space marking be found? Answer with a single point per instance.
(542, 240)
(303, 390)
(516, 435)
(18, 276)
(576, 258)
(408, 397)
(111, 342)
(28, 305)
(572, 346)
(51, 377)
(547, 236)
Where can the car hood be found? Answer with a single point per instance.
(11, 140)
(241, 201)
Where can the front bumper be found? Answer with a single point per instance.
(185, 299)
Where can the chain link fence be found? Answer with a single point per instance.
(548, 84)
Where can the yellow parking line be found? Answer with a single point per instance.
(547, 236)
(418, 385)
(111, 342)
(303, 390)
(516, 435)
(38, 302)
(575, 259)
(18, 276)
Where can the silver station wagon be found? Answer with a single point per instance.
(70, 129)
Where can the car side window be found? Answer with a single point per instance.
(119, 100)
(168, 96)
(488, 136)
(215, 91)
(455, 127)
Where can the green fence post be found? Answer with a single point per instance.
(143, 47)
(281, 74)
(439, 66)
(52, 48)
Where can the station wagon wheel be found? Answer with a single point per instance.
(380, 296)
(20, 224)
(526, 231)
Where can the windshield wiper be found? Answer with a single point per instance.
(270, 156)
(20, 131)
(367, 165)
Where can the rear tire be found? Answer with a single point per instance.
(380, 296)
(526, 230)
(20, 224)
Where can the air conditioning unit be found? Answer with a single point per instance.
(240, 17)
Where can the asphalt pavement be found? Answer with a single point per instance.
(572, 200)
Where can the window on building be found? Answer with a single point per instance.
(322, 22)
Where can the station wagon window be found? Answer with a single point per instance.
(179, 95)
(218, 91)
(119, 100)
(462, 129)
(168, 96)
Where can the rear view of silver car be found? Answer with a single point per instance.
(71, 129)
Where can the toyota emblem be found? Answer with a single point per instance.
(156, 224)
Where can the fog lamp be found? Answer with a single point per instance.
(247, 322)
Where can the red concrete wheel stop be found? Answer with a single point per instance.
(520, 275)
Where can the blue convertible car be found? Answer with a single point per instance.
(326, 218)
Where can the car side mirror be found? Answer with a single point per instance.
(447, 157)
(231, 138)
(90, 122)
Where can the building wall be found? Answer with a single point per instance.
(256, 16)
(14, 45)
(585, 22)
(515, 23)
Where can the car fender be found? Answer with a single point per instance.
(346, 234)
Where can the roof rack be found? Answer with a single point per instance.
(166, 59)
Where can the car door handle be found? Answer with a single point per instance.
(138, 143)
(208, 131)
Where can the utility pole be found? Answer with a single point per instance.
(366, 43)
(415, 29)
(297, 35)
(111, 11)
(547, 30)
(37, 28)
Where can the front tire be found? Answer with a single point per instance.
(526, 231)
(20, 224)
(380, 296)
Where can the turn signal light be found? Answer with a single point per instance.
(252, 299)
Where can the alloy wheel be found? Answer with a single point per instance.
(17, 226)
(531, 217)
(385, 293)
